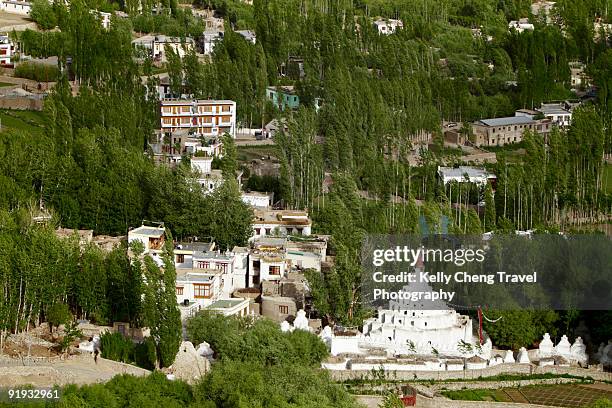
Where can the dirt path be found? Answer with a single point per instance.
(76, 370)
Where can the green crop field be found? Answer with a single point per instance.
(28, 121)
(569, 395)
(248, 153)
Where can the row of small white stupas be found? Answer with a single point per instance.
(348, 353)
(563, 353)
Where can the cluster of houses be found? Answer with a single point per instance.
(155, 45)
(266, 277)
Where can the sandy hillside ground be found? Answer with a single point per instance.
(10, 22)
(75, 370)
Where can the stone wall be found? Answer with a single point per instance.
(21, 103)
(514, 369)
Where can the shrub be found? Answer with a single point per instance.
(115, 346)
(37, 72)
(145, 354)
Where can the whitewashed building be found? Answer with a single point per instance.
(152, 238)
(6, 50)
(156, 45)
(207, 178)
(201, 117)
(387, 26)
(258, 199)
(521, 25)
(463, 174)
(281, 223)
(205, 280)
(267, 261)
(209, 39)
(16, 7)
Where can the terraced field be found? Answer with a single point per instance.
(570, 395)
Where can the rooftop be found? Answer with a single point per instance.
(247, 34)
(225, 303)
(211, 255)
(506, 121)
(461, 171)
(283, 88)
(174, 101)
(195, 246)
(288, 217)
(155, 232)
(553, 109)
(183, 275)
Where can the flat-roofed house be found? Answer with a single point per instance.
(387, 26)
(463, 174)
(258, 199)
(155, 45)
(506, 130)
(280, 223)
(205, 280)
(267, 260)
(201, 117)
(558, 113)
(16, 7)
(151, 237)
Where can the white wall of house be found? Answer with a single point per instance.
(16, 7)
(264, 229)
(305, 260)
(257, 199)
(203, 165)
(6, 50)
(200, 288)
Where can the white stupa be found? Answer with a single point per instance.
(547, 347)
(509, 357)
(301, 321)
(419, 327)
(285, 326)
(563, 347)
(523, 356)
(578, 352)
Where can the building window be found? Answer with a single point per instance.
(203, 264)
(222, 267)
(180, 258)
(268, 231)
(201, 290)
(283, 309)
(257, 231)
(179, 291)
(274, 270)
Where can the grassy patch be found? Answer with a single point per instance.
(248, 153)
(28, 121)
(3, 84)
(477, 395)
